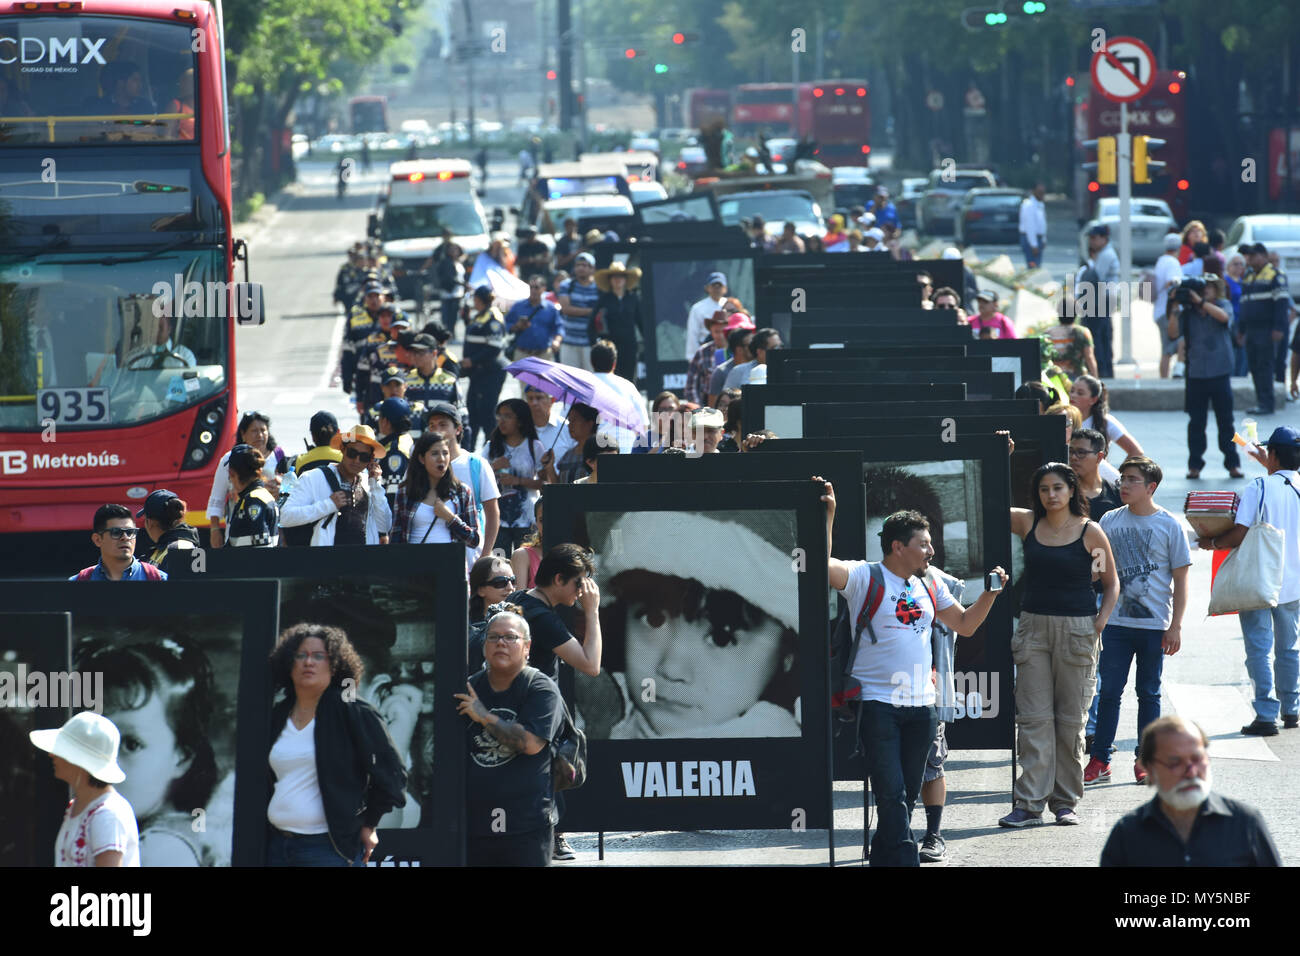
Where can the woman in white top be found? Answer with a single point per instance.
(254, 429)
(433, 505)
(516, 456)
(1088, 395)
(99, 826)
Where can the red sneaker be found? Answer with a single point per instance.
(1139, 772)
(1096, 772)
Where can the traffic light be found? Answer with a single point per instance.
(550, 74)
(1033, 7)
(630, 53)
(661, 67)
(680, 38)
(982, 18)
(1145, 168)
(1106, 164)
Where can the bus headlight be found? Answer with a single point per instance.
(203, 439)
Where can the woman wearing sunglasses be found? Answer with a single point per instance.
(345, 502)
(491, 581)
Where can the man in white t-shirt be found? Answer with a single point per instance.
(474, 472)
(1273, 631)
(604, 362)
(552, 428)
(700, 311)
(892, 663)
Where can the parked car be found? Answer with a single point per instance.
(777, 207)
(936, 213)
(1281, 234)
(1151, 221)
(692, 161)
(905, 202)
(989, 216)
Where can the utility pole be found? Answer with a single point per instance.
(472, 52)
(1124, 164)
(564, 70)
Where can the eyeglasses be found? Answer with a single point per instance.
(1083, 452)
(499, 582)
(361, 456)
(317, 657)
(120, 533)
(940, 305)
(503, 638)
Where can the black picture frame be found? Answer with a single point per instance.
(781, 361)
(980, 386)
(986, 655)
(432, 576)
(835, 467)
(825, 418)
(817, 335)
(790, 773)
(240, 619)
(32, 800)
(662, 267)
(760, 399)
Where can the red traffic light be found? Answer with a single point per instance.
(630, 53)
(1184, 185)
(550, 74)
(1094, 187)
(865, 149)
(1175, 87)
(1069, 81)
(679, 38)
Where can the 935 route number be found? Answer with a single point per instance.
(73, 406)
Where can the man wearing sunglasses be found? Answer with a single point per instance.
(114, 535)
(344, 501)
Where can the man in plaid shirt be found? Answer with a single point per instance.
(705, 359)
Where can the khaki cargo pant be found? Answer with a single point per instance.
(1056, 674)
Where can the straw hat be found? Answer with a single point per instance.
(617, 268)
(360, 434)
(88, 741)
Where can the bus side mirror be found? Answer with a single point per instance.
(250, 309)
(372, 226)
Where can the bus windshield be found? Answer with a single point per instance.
(95, 80)
(100, 333)
(422, 221)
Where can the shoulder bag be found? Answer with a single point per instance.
(1250, 578)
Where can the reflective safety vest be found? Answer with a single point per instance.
(396, 460)
(254, 520)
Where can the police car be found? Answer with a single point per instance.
(425, 197)
(594, 188)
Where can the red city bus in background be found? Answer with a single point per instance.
(841, 122)
(703, 105)
(769, 109)
(1161, 113)
(108, 388)
(368, 114)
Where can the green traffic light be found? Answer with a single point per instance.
(1034, 6)
(994, 19)
(661, 67)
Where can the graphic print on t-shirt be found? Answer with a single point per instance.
(1132, 549)
(908, 610)
(490, 752)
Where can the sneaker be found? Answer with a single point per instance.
(1260, 728)
(1021, 818)
(1291, 721)
(562, 850)
(1096, 772)
(1139, 772)
(1065, 817)
(933, 849)
(1180, 370)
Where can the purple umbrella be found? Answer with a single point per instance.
(569, 385)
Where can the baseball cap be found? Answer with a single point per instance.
(739, 320)
(1101, 229)
(707, 418)
(395, 410)
(986, 295)
(392, 373)
(423, 341)
(1172, 241)
(952, 252)
(586, 257)
(323, 420)
(445, 409)
(716, 277)
(375, 287)
(400, 318)
(1282, 435)
(874, 233)
(155, 506)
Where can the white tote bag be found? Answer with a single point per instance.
(1250, 578)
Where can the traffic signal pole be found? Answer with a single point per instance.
(1124, 173)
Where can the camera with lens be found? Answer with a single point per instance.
(1183, 293)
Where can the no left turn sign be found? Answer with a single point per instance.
(1125, 70)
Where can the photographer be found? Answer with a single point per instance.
(1201, 316)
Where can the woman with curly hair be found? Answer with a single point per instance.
(335, 770)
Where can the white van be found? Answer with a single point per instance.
(424, 197)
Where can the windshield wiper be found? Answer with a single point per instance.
(119, 260)
(55, 243)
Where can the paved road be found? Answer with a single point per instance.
(286, 366)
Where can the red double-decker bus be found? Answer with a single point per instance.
(368, 114)
(1162, 113)
(769, 109)
(117, 305)
(703, 105)
(841, 122)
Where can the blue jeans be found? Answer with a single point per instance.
(1032, 257)
(1275, 630)
(311, 850)
(896, 741)
(1119, 645)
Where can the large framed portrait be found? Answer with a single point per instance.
(404, 611)
(176, 662)
(38, 691)
(711, 709)
(810, 333)
(822, 419)
(979, 385)
(779, 407)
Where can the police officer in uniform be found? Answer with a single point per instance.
(254, 520)
(378, 351)
(427, 382)
(1265, 303)
(393, 385)
(361, 324)
(163, 517)
(395, 435)
(485, 341)
(351, 279)
(387, 354)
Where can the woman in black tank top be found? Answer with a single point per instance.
(1057, 643)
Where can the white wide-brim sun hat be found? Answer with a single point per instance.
(88, 741)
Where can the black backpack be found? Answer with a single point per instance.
(300, 536)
